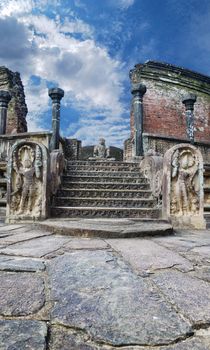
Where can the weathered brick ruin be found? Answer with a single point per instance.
(17, 109)
(164, 119)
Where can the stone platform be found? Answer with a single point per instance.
(61, 292)
(107, 228)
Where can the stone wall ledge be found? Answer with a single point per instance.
(181, 140)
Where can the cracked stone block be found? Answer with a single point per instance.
(36, 247)
(191, 296)
(22, 335)
(21, 294)
(17, 264)
(98, 293)
(147, 256)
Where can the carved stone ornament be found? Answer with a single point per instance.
(57, 165)
(183, 194)
(28, 169)
(152, 168)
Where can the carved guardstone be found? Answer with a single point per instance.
(183, 196)
(27, 193)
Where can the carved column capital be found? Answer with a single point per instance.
(189, 101)
(138, 89)
(56, 94)
(5, 97)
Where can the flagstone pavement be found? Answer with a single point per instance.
(63, 292)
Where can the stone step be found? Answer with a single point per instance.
(102, 162)
(106, 227)
(114, 179)
(70, 212)
(103, 193)
(106, 186)
(102, 173)
(103, 167)
(105, 202)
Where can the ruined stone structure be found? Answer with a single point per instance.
(172, 95)
(46, 171)
(17, 110)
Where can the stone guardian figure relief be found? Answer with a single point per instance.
(27, 175)
(183, 186)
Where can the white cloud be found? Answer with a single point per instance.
(123, 4)
(92, 80)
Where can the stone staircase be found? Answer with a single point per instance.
(108, 189)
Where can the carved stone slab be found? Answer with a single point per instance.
(183, 197)
(27, 177)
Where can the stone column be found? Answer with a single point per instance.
(138, 91)
(56, 95)
(5, 97)
(189, 101)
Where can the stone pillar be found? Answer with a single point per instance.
(189, 101)
(5, 97)
(138, 91)
(56, 95)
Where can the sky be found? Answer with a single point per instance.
(87, 47)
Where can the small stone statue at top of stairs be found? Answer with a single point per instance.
(101, 152)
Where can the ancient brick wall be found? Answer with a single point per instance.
(164, 112)
(17, 109)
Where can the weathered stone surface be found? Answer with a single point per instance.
(24, 235)
(147, 256)
(183, 243)
(189, 344)
(191, 296)
(107, 228)
(97, 293)
(85, 243)
(202, 272)
(36, 247)
(69, 339)
(6, 228)
(17, 264)
(20, 294)
(22, 335)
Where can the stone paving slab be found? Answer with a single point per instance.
(185, 242)
(66, 339)
(85, 243)
(20, 236)
(22, 335)
(36, 247)
(7, 228)
(20, 294)
(17, 264)
(147, 256)
(109, 228)
(98, 293)
(191, 296)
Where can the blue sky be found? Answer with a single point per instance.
(87, 47)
